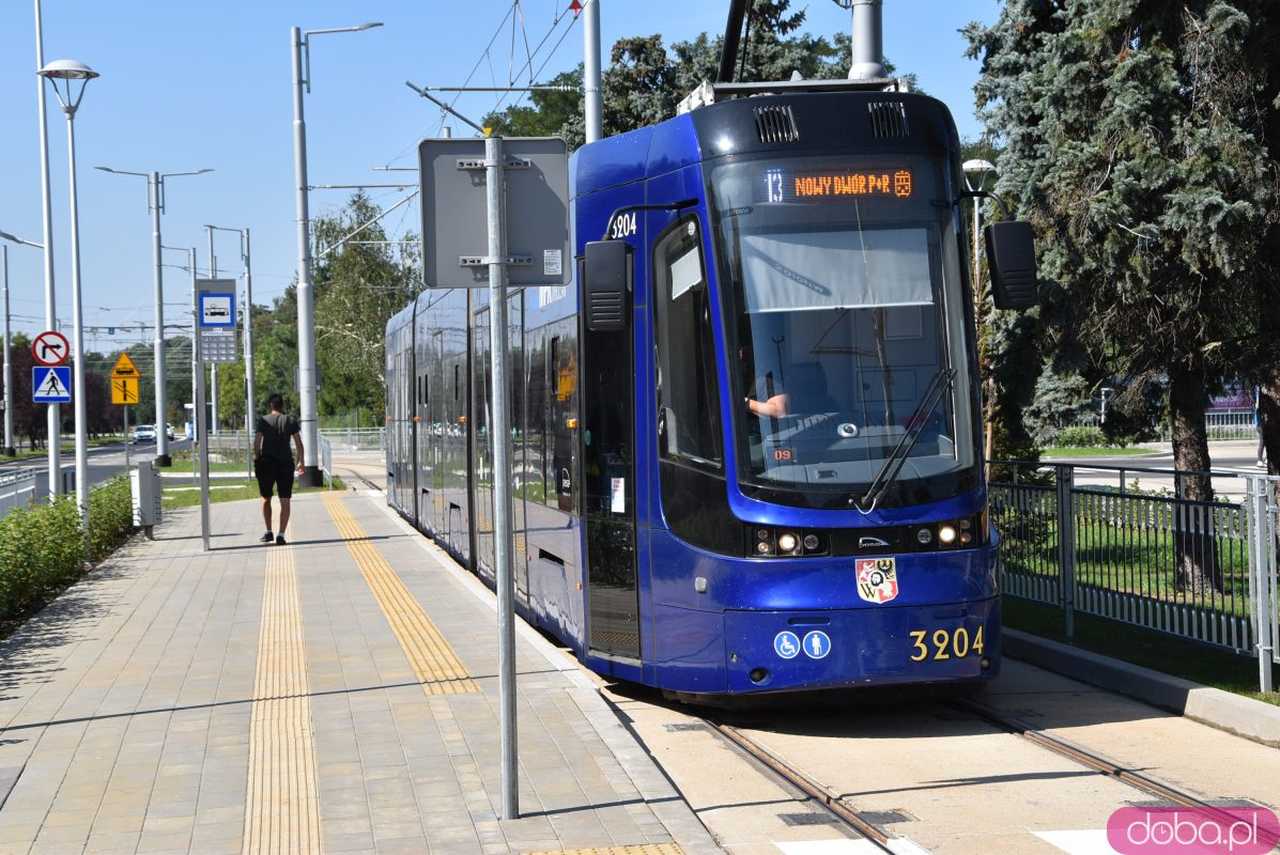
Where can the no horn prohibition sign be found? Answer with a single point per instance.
(50, 348)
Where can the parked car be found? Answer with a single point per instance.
(144, 433)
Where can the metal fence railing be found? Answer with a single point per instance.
(1223, 424)
(326, 460)
(17, 489)
(356, 439)
(1155, 558)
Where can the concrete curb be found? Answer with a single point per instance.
(1242, 716)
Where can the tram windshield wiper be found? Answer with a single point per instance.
(938, 386)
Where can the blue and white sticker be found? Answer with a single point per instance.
(817, 644)
(786, 644)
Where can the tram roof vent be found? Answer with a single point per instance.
(776, 124)
(888, 119)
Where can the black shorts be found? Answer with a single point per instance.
(274, 474)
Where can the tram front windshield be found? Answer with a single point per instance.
(845, 307)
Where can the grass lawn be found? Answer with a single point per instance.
(1129, 549)
(1222, 669)
(218, 462)
(180, 494)
(67, 448)
(1097, 451)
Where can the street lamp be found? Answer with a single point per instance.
(9, 449)
(300, 44)
(63, 75)
(249, 406)
(976, 173)
(155, 205)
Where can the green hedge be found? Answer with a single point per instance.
(42, 548)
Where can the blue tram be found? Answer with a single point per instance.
(746, 441)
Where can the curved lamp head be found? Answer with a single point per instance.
(68, 71)
(976, 171)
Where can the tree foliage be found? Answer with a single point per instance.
(646, 79)
(1141, 171)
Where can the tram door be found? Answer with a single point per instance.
(607, 440)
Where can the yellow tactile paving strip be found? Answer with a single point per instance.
(282, 811)
(638, 849)
(436, 665)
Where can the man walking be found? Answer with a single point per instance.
(273, 462)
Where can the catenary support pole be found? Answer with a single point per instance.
(868, 41)
(53, 411)
(162, 438)
(500, 436)
(249, 399)
(591, 70)
(8, 368)
(78, 396)
(213, 367)
(202, 437)
(306, 295)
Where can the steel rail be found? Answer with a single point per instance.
(1091, 760)
(824, 798)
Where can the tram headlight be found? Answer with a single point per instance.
(947, 534)
(924, 536)
(787, 542)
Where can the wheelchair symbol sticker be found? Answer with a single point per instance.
(786, 644)
(817, 644)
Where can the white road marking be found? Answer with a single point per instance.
(1084, 842)
(839, 846)
(847, 846)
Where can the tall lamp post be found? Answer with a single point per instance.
(155, 205)
(9, 448)
(976, 174)
(66, 73)
(300, 44)
(249, 402)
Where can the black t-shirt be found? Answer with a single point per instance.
(277, 432)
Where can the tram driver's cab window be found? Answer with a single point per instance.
(688, 399)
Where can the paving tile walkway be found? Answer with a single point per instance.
(338, 695)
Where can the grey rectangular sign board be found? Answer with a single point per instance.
(454, 236)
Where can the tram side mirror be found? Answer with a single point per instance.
(1011, 258)
(605, 285)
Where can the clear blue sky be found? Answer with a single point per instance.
(191, 85)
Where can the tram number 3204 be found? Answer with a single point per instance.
(941, 644)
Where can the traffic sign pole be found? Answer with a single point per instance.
(501, 437)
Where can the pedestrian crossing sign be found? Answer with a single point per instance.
(51, 384)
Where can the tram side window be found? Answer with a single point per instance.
(563, 378)
(535, 449)
(688, 397)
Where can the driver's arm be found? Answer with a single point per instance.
(776, 406)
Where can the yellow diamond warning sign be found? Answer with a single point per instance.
(124, 369)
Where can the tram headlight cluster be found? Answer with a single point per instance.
(768, 542)
(959, 533)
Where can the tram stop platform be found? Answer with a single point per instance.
(337, 694)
